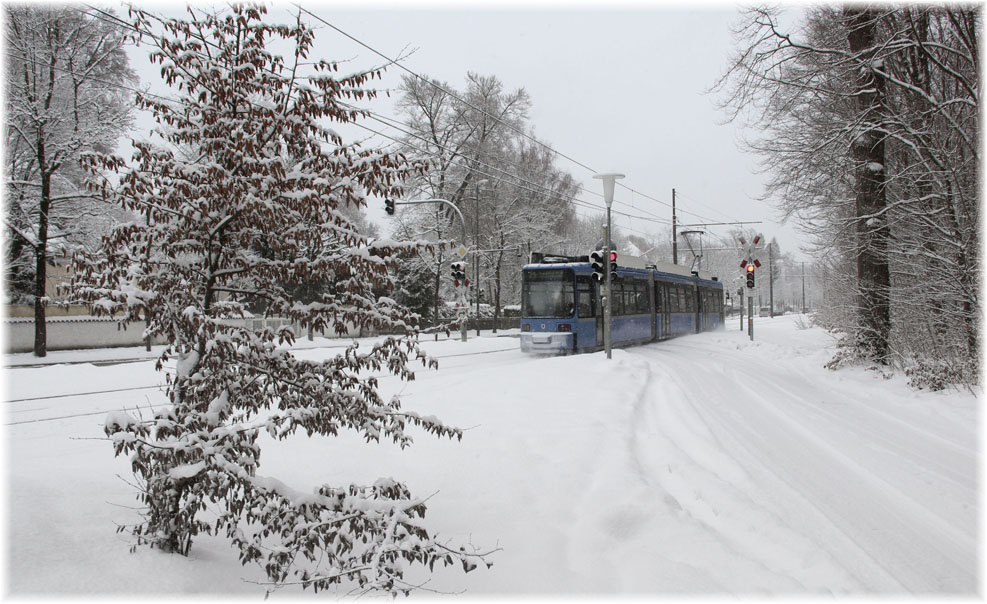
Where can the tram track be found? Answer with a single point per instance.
(160, 386)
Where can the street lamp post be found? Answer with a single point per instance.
(609, 180)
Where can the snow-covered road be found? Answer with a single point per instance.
(840, 487)
(705, 465)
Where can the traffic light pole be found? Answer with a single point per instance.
(741, 309)
(607, 341)
(462, 221)
(609, 179)
(462, 226)
(750, 317)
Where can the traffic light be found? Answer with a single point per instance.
(459, 273)
(750, 275)
(599, 269)
(389, 206)
(613, 266)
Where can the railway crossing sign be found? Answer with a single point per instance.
(750, 247)
(750, 262)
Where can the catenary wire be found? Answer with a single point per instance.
(468, 104)
(385, 121)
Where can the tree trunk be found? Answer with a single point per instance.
(41, 260)
(500, 262)
(867, 148)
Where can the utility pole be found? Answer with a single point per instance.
(803, 288)
(476, 257)
(771, 280)
(675, 237)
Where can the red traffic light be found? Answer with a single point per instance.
(750, 268)
(613, 256)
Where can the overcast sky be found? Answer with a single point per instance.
(620, 90)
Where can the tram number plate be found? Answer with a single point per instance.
(542, 339)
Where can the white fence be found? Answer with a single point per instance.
(72, 333)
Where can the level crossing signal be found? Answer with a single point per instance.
(389, 206)
(750, 275)
(599, 268)
(459, 274)
(613, 266)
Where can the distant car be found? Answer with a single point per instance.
(765, 311)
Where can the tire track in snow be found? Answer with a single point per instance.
(900, 544)
(698, 470)
(952, 463)
(915, 546)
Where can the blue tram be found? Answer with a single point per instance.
(561, 309)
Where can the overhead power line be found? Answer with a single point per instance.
(514, 180)
(475, 108)
(110, 18)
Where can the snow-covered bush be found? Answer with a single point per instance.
(244, 203)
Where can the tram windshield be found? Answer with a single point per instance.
(548, 293)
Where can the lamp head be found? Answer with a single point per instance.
(609, 179)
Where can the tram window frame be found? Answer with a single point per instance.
(567, 292)
(641, 298)
(630, 298)
(617, 298)
(632, 287)
(586, 295)
(627, 294)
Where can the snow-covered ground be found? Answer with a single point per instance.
(706, 465)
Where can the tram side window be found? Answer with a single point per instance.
(641, 295)
(617, 299)
(683, 303)
(587, 297)
(630, 305)
(630, 298)
(633, 289)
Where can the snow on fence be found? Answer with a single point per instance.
(78, 332)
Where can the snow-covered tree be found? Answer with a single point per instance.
(66, 81)
(255, 212)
